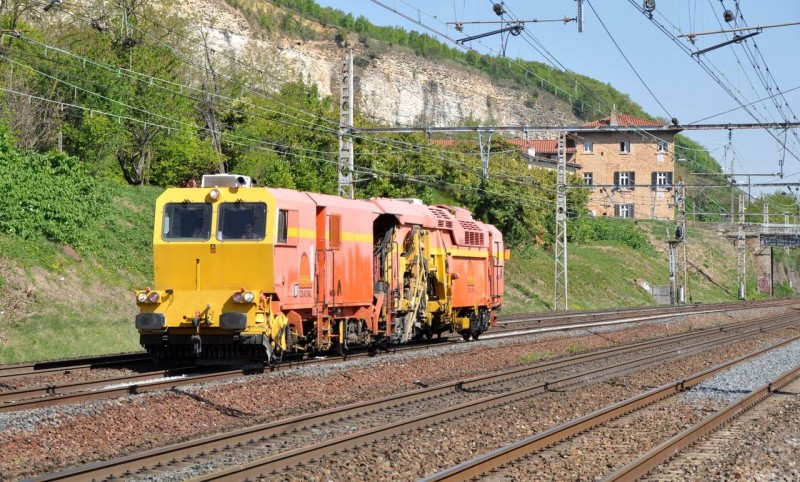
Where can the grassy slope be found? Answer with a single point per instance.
(603, 275)
(53, 306)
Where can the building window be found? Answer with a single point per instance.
(625, 147)
(663, 146)
(588, 178)
(624, 179)
(661, 179)
(623, 210)
(588, 147)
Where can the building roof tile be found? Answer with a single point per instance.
(624, 120)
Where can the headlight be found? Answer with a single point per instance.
(249, 297)
(214, 194)
(153, 297)
(237, 297)
(141, 297)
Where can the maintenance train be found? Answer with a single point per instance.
(245, 273)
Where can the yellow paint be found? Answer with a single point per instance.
(302, 233)
(312, 234)
(462, 253)
(357, 237)
(203, 275)
(180, 307)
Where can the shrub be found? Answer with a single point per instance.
(48, 195)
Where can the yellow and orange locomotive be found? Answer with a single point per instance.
(245, 273)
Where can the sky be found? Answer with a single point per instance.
(621, 46)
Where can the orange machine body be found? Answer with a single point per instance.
(250, 273)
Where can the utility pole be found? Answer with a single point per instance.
(680, 236)
(485, 153)
(561, 301)
(346, 128)
(741, 244)
(673, 272)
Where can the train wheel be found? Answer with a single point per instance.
(465, 335)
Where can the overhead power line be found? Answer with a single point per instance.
(620, 128)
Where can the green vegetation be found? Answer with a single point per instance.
(622, 231)
(535, 357)
(575, 349)
(97, 117)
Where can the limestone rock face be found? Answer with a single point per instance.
(394, 87)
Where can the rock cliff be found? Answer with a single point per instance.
(393, 86)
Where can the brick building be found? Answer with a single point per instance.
(630, 163)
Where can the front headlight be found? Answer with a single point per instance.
(141, 297)
(153, 297)
(237, 297)
(249, 297)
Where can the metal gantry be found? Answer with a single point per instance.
(345, 167)
(561, 301)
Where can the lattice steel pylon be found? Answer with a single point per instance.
(561, 301)
(741, 244)
(345, 168)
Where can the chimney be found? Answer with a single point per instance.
(612, 121)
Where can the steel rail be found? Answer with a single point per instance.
(53, 395)
(683, 309)
(104, 361)
(51, 390)
(126, 465)
(270, 466)
(660, 454)
(74, 392)
(60, 366)
(522, 448)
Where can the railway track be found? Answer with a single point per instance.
(500, 462)
(538, 320)
(465, 398)
(104, 388)
(8, 372)
(764, 411)
(582, 319)
(74, 392)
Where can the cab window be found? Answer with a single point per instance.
(186, 222)
(283, 226)
(241, 220)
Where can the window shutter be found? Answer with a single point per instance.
(632, 177)
(669, 179)
(654, 178)
(616, 210)
(335, 231)
(616, 178)
(631, 213)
